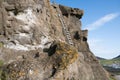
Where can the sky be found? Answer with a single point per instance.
(102, 19)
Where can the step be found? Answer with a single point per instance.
(67, 33)
(68, 36)
(69, 39)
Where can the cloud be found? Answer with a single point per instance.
(95, 25)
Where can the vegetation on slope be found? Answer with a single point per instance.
(111, 65)
(109, 62)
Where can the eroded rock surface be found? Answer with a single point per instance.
(71, 11)
(33, 45)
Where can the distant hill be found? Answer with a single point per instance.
(118, 57)
(99, 58)
(111, 65)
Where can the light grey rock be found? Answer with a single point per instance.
(35, 47)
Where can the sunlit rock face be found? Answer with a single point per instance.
(33, 45)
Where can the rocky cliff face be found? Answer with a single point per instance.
(34, 44)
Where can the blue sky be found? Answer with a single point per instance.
(102, 19)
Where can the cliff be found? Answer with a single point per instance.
(43, 41)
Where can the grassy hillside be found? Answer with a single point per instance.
(111, 65)
(109, 62)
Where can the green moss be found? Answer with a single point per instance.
(1, 63)
(3, 74)
(1, 1)
(112, 78)
(66, 55)
(1, 44)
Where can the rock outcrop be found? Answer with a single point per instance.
(71, 11)
(33, 45)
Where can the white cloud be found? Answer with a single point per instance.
(101, 21)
